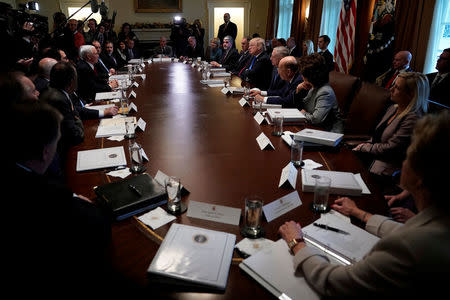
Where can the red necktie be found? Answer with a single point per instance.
(95, 71)
(388, 85)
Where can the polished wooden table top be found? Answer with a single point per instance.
(209, 141)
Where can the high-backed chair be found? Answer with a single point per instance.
(366, 110)
(344, 87)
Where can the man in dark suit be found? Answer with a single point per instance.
(73, 232)
(193, 50)
(101, 67)
(227, 28)
(400, 64)
(258, 71)
(89, 81)
(43, 79)
(277, 84)
(163, 50)
(108, 57)
(440, 81)
(244, 55)
(323, 42)
(229, 57)
(289, 72)
(131, 51)
(294, 50)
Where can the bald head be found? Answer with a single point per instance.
(287, 68)
(401, 60)
(45, 66)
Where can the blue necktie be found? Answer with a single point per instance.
(253, 61)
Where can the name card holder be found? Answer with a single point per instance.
(264, 142)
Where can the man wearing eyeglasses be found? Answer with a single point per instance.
(440, 80)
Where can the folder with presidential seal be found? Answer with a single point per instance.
(319, 137)
(290, 115)
(100, 158)
(131, 196)
(193, 257)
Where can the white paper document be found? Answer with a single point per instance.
(213, 212)
(309, 164)
(273, 268)
(99, 107)
(123, 173)
(100, 158)
(156, 218)
(288, 174)
(194, 255)
(107, 95)
(264, 142)
(350, 247)
(113, 126)
(365, 189)
(281, 206)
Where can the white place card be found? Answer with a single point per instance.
(281, 206)
(243, 102)
(140, 70)
(161, 177)
(289, 174)
(156, 218)
(132, 106)
(225, 91)
(132, 94)
(141, 124)
(143, 65)
(213, 212)
(287, 138)
(259, 118)
(135, 84)
(263, 141)
(185, 62)
(144, 156)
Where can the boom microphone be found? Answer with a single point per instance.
(94, 6)
(103, 9)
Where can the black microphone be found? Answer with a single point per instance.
(103, 9)
(94, 6)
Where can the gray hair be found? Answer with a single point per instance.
(260, 43)
(229, 38)
(85, 50)
(282, 51)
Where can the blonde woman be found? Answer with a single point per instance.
(393, 134)
(308, 47)
(213, 51)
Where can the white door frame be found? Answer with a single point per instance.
(215, 3)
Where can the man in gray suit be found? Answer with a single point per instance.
(163, 50)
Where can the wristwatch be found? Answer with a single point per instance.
(292, 243)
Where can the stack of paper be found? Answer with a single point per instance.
(289, 114)
(342, 183)
(107, 95)
(319, 137)
(220, 74)
(113, 126)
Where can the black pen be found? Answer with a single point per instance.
(132, 187)
(326, 227)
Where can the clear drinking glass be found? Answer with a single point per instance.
(137, 164)
(173, 188)
(321, 193)
(296, 152)
(130, 130)
(277, 121)
(253, 212)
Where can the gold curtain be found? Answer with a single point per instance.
(412, 29)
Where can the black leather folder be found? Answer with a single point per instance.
(131, 196)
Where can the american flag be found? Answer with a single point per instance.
(345, 38)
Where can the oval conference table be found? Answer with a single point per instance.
(208, 140)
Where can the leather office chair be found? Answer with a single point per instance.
(345, 87)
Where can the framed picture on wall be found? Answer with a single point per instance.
(146, 6)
